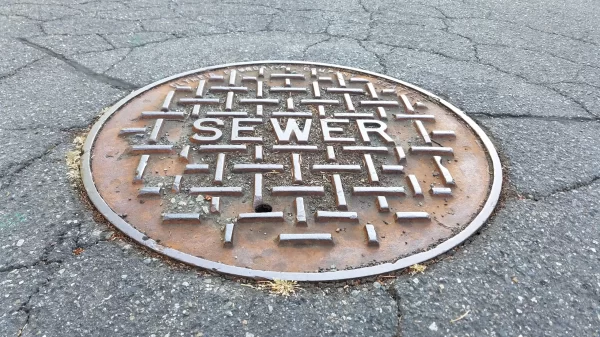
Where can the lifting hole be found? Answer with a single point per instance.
(263, 208)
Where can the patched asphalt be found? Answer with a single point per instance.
(527, 72)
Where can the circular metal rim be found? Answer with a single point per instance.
(142, 239)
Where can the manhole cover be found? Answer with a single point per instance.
(291, 170)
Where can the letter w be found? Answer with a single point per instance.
(283, 137)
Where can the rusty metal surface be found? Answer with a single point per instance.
(291, 170)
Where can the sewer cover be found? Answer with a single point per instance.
(291, 170)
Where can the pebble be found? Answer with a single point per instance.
(147, 261)
(20, 242)
(377, 285)
(249, 334)
(185, 284)
(433, 327)
(270, 308)
(355, 292)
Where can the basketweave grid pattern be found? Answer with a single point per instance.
(293, 101)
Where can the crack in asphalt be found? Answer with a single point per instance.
(111, 81)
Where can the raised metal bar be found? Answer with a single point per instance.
(258, 153)
(291, 76)
(407, 106)
(305, 114)
(232, 77)
(131, 131)
(373, 178)
(218, 180)
(234, 89)
(322, 216)
(345, 90)
(436, 151)
(441, 191)
(265, 101)
(300, 212)
(241, 168)
(353, 115)
(152, 191)
(185, 153)
(155, 131)
(215, 205)
(298, 190)
(340, 198)
(421, 128)
(258, 188)
(392, 168)
(171, 218)
(377, 190)
(228, 237)
(196, 168)
(296, 169)
(139, 171)
(316, 90)
(231, 191)
(371, 235)
(372, 91)
(382, 204)
(340, 78)
(200, 89)
(330, 154)
(443, 134)
(320, 101)
(424, 118)
(336, 168)
(379, 103)
(408, 216)
(266, 216)
(176, 188)
(414, 184)
(400, 155)
(229, 101)
(183, 88)
(308, 238)
(150, 149)
(448, 180)
(287, 89)
(167, 101)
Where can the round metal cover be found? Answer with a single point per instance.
(291, 170)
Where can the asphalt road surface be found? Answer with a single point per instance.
(526, 71)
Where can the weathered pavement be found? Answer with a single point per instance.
(528, 72)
